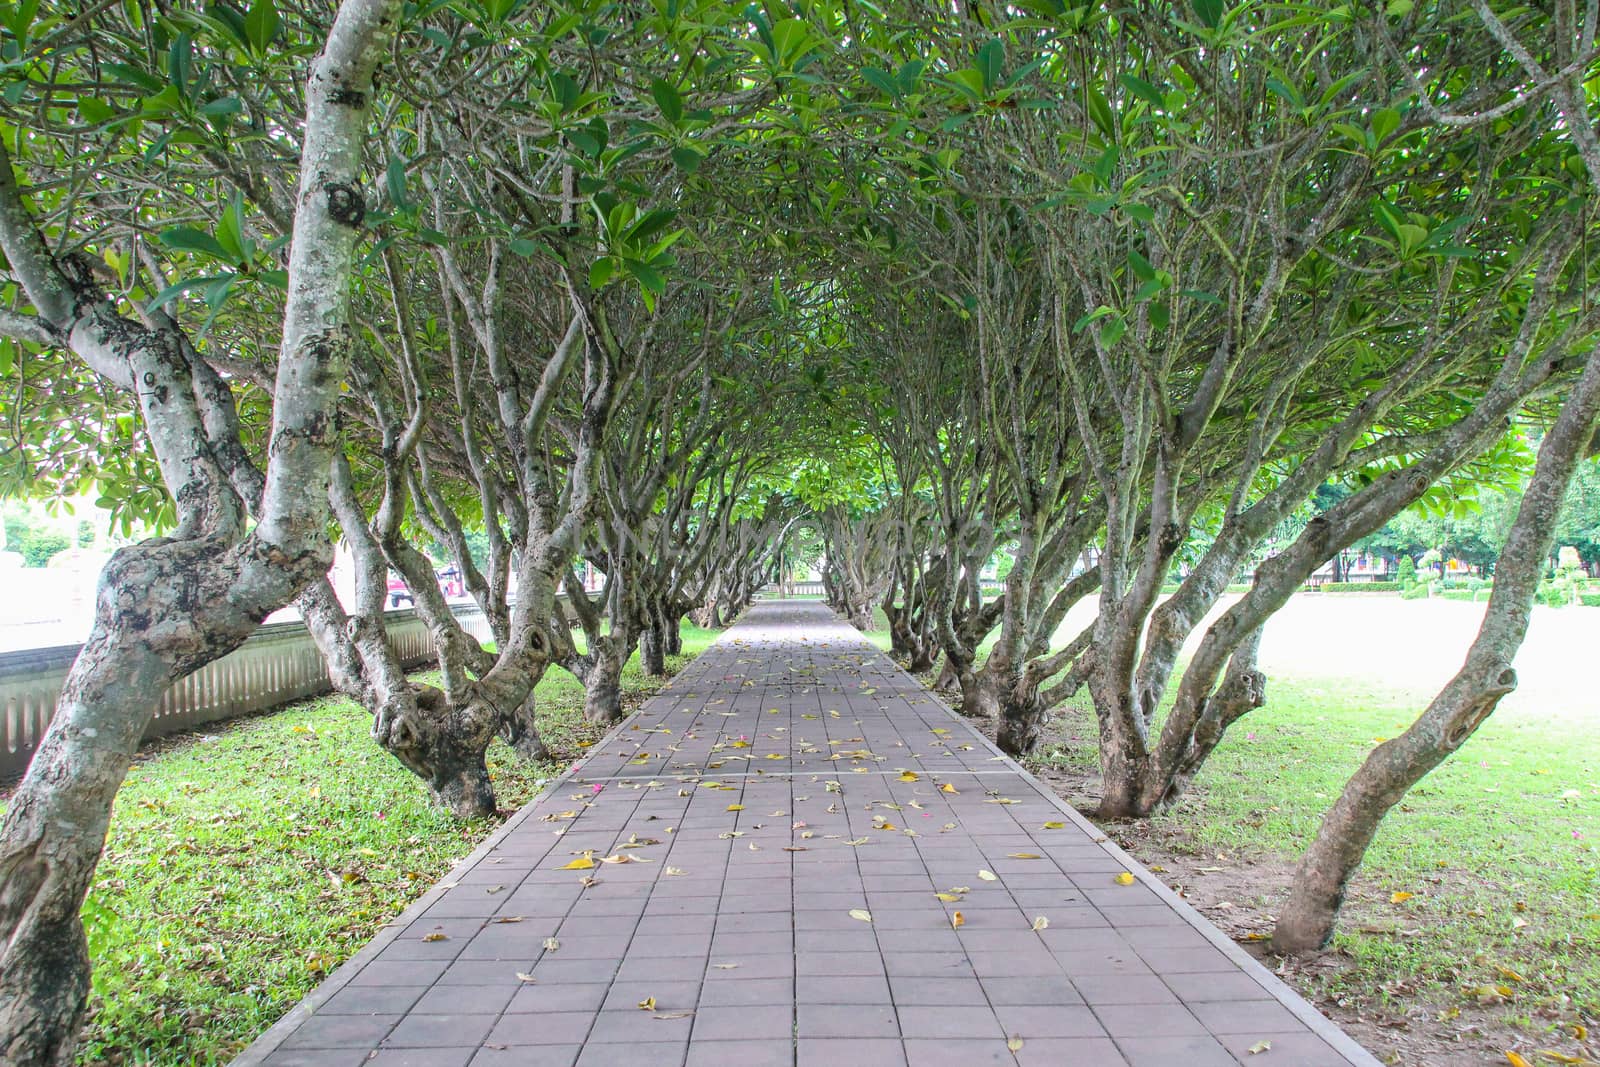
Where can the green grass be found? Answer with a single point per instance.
(1498, 845)
(244, 865)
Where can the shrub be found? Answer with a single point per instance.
(1589, 600)
(1552, 595)
(1415, 591)
(1458, 594)
(1361, 587)
(1408, 570)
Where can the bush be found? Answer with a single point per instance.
(1552, 595)
(1589, 600)
(1407, 572)
(1458, 594)
(1415, 591)
(1361, 587)
(38, 546)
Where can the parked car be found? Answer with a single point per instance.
(398, 592)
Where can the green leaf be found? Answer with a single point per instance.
(601, 272)
(1113, 330)
(230, 230)
(1384, 122)
(1389, 217)
(1143, 90)
(687, 159)
(650, 279)
(881, 80)
(166, 296)
(394, 178)
(1412, 237)
(991, 58)
(653, 222)
(95, 111)
(1141, 266)
(261, 25)
(189, 239)
(223, 105)
(1143, 212)
(180, 62)
(1210, 12)
(968, 81)
(668, 99)
(1100, 111)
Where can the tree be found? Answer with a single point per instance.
(1473, 693)
(169, 605)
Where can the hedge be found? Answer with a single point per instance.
(1361, 587)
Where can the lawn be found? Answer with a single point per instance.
(245, 864)
(1477, 914)
(1488, 866)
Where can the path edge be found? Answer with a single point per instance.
(271, 1039)
(1277, 988)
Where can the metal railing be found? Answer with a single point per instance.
(277, 664)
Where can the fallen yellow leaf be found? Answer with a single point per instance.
(1025, 855)
(988, 876)
(648, 1003)
(735, 807)
(948, 788)
(861, 913)
(1014, 1044)
(582, 863)
(1508, 974)
(436, 937)
(1125, 878)
(1055, 826)
(957, 920)
(1040, 923)
(910, 776)
(1260, 1047)
(1516, 1060)
(1400, 898)
(949, 898)
(551, 944)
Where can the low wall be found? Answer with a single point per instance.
(279, 663)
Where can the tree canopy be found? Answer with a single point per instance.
(658, 286)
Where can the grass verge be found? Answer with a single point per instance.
(244, 865)
(1476, 918)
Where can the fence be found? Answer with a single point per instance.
(277, 664)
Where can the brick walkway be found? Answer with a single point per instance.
(799, 857)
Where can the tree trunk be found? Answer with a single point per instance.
(55, 830)
(521, 732)
(1022, 719)
(602, 686)
(444, 747)
(652, 653)
(1307, 920)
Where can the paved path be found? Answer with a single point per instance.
(799, 857)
